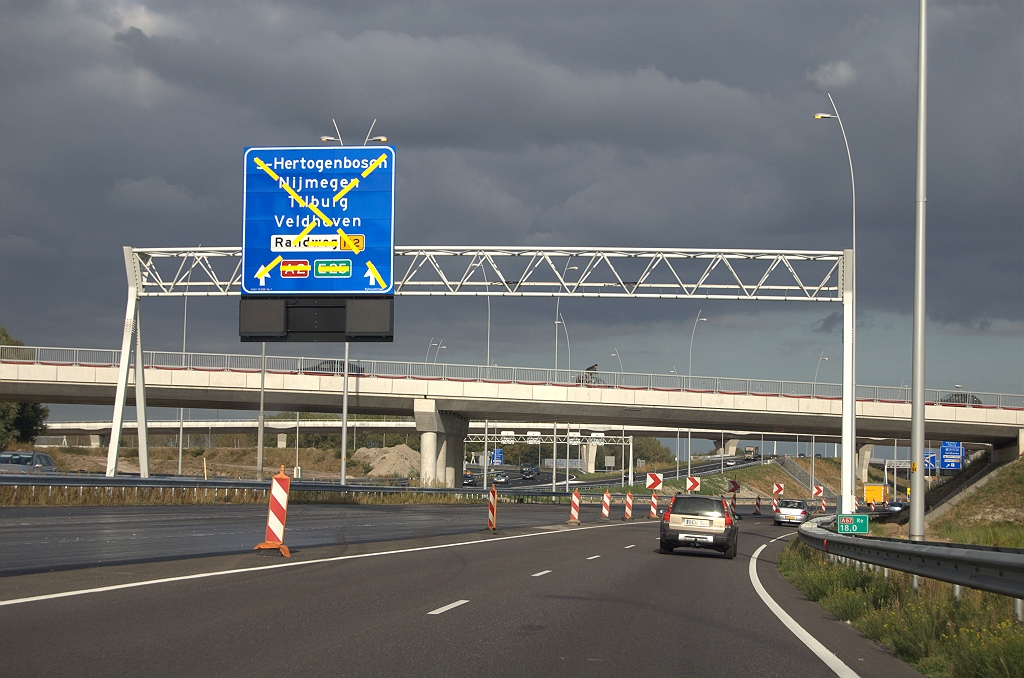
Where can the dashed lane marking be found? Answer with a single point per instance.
(630, 546)
(449, 606)
(298, 563)
(592, 557)
(541, 573)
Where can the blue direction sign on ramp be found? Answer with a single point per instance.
(951, 455)
(318, 220)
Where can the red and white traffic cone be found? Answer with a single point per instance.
(492, 509)
(574, 509)
(654, 507)
(628, 514)
(276, 515)
(606, 505)
(757, 506)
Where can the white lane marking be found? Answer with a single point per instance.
(300, 563)
(788, 534)
(447, 607)
(631, 546)
(541, 573)
(824, 654)
(592, 557)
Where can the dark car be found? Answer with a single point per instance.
(699, 522)
(529, 474)
(960, 398)
(27, 462)
(468, 479)
(897, 506)
(329, 367)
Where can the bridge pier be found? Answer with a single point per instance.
(442, 450)
(863, 460)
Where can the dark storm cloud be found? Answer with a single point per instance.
(660, 124)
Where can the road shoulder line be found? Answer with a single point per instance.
(812, 643)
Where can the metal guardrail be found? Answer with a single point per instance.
(220, 362)
(987, 568)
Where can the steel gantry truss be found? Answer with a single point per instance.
(602, 272)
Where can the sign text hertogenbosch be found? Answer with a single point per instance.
(318, 221)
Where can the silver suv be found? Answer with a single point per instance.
(699, 522)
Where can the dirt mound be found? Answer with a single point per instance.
(389, 461)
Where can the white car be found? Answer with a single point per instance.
(791, 512)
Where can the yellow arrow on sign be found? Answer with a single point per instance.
(371, 269)
(265, 270)
(374, 165)
(341, 194)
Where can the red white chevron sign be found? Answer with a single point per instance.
(779, 488)
(818, 490)
(654, 480)
(734, 486)
(692, 484)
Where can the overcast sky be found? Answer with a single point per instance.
(675, 124)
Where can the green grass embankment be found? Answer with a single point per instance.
(975, 637)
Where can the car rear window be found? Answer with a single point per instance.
(697, 506)
(15, 458)
(791, 504)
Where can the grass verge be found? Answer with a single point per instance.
(973, 638)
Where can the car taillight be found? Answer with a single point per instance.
(728, 517)
(668, 510)
(803, 513)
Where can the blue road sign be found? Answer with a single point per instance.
(951, 455)
(497, 456)
(318, 220)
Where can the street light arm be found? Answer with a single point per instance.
(853, 183)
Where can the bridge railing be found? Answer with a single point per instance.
(42, 355)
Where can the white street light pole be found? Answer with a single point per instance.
(814, 387)
(344, 420)
(438, 349)
(558, 302)
(426, 356)
(689, 369)
(849, 434)
(568, 346)
(917, 433)
(259, 432)
(616, 354)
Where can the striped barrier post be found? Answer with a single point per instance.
(276, 515)
(775, 503)
(574, 509)
(757, 506)
(823, 504)
(734, 502)
(654, 507)
(492, 508)
(628, 515)
(606, 505)
(872, 507)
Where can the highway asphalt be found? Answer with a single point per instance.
(48, 538)
(547, 600)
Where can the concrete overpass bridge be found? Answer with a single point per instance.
(514, 394)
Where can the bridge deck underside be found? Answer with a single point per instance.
(521, 402)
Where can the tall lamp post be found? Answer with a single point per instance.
(849, 283)
(558, 303)
(814, 394)
(616, 355)
(689, 369)
(344, 396)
